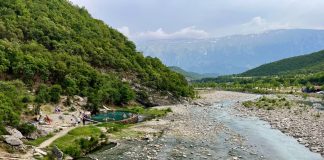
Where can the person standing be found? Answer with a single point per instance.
(83, 120)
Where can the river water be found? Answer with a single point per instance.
(271, 143)
(222, 135)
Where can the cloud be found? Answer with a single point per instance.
(186, 33)
(124, 30)
(259, 24)
(217, 17)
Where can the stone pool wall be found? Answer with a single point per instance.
(131, 120)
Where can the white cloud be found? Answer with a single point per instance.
(186, 33)
(259, 24)
(124, 30)
(217, 17)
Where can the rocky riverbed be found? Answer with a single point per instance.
(208, 128)
(305, 123)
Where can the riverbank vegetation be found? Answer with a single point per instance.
(269, 103)
(149, 112)
(266, 84)
(80, 140)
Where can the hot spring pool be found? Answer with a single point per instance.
(112, 116)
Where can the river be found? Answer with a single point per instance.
(211, 132)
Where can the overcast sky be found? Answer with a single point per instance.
(171, 19)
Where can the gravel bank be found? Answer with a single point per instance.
(306, 124)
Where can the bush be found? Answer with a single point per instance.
(26, 128)
(55, 92)
(26, 99)
(102, 135)
(72, 109)
(86, 144)
(2, 130)
(8, 116)
(247, 104)
(74, 151)
(270, 108)
(305, 96)
(42, 95)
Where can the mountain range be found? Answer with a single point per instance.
(233, 54)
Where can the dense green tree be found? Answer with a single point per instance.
(55, 92)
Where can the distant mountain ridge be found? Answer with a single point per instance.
(310, 63)
(191, 75)
(234, 54)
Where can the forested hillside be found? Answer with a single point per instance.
(53, 48)
(296, 72)
(311, 63)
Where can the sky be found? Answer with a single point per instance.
(181, 19)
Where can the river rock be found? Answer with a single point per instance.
(57, 153)
(14, 132)
(42, 131)
(40, 151)
(12, 140)
(32, 136)
(235, 158)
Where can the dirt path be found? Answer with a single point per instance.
(52, 139)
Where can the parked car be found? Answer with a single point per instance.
(320, 92)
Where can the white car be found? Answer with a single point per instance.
(320, 92)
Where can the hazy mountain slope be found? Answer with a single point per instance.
(310, 63)
(190, 75)
(234, 54)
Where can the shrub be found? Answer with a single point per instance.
(305, 96)
(2, 130)
(55, 92)
(8, 116)
(102, 135)
(247, 104)
(26, 128)
(72, 109)
(74, 151)
(270, 108)
(26, 99)
(42, 95)
(86, 144)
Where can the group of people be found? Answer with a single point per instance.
(45, 119)
(83, 116)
